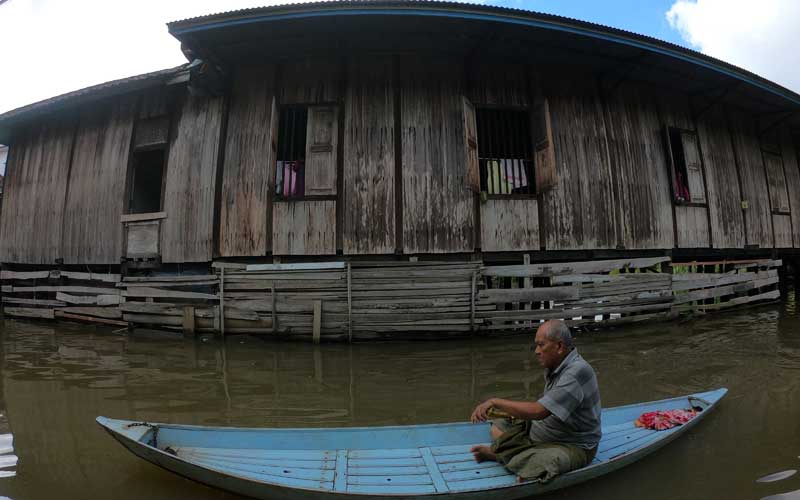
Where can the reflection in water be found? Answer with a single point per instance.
(777, 476)
(792, 495)
(57, 378)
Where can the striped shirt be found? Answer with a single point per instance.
(572, 396)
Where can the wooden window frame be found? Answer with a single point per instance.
(133, 151)
(671, 164)
(773, 210)
(276, 196)
(531, 176)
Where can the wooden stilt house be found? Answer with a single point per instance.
(369, 168)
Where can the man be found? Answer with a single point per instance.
(559, 432)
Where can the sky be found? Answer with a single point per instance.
(50, 47)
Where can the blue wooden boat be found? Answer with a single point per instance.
(417, 461)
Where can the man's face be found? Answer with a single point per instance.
(548, 352)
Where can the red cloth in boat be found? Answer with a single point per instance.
(664, 419)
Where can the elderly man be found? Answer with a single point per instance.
(559, 432)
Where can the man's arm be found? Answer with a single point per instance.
(523, 410)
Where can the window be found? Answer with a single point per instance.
(151, 137)
(290, 174)
(505, 155)
(502, 149)
(146, 182)
(306, 151)
(779, 196)
(688, 184)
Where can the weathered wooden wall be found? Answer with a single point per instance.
(191, 181)
(314, 81)
(499, 84)
(509, 225)
(34, 193)
(368, 185)
(789, 152)
(249, 165)
(636, 143)
(724, 198)
(691, 222)
(65, 184)
(307, 226)
(581, 210)
(438, 210)
(304, 228)
(92, 231)
(752, 177)
(505, 224)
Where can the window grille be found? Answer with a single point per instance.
(291, 154)
(505, 154)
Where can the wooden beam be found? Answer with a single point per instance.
(100, 300)
(188, 320)
(222, 301)
(75, 289)
(299, 266)
(29, 312)
(90, 319)
(317, 321)
(100, 312)
(349, 303)
(585, 267)
(142, 217)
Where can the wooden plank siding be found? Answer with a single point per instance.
(789, 152)
(498, 84)
(635, 138)
(724, 201)
(368, 187)
(509, 225)
(304, 228)
(249, 165)
(190, 182)
(691, 222)
(95, 201)
(313, 81)
(506, 224)
(438, 210)
(34, 193)
(752, 176)
(580, 210)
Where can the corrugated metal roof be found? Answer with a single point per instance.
(106, 89)
(177, 28)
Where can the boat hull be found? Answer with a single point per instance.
(250, 462)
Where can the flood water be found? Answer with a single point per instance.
(57, 378)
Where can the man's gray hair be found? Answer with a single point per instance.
(558, 331)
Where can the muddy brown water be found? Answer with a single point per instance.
(57, 378)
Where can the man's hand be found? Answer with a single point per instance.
(479, 413)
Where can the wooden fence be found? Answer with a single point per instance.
(365, 300)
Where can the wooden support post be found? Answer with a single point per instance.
(222, 301)
(188, 319)
(472, 302)
(274, 311)
(526, 260)
(349, 304)
(317, 320)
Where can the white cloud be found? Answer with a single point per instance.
(49, 47)
(760, 36)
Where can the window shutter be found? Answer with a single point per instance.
(694, 172)
(779, 198)
(321, 142)
(544, 149)
(151, 132)
(472, 179)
